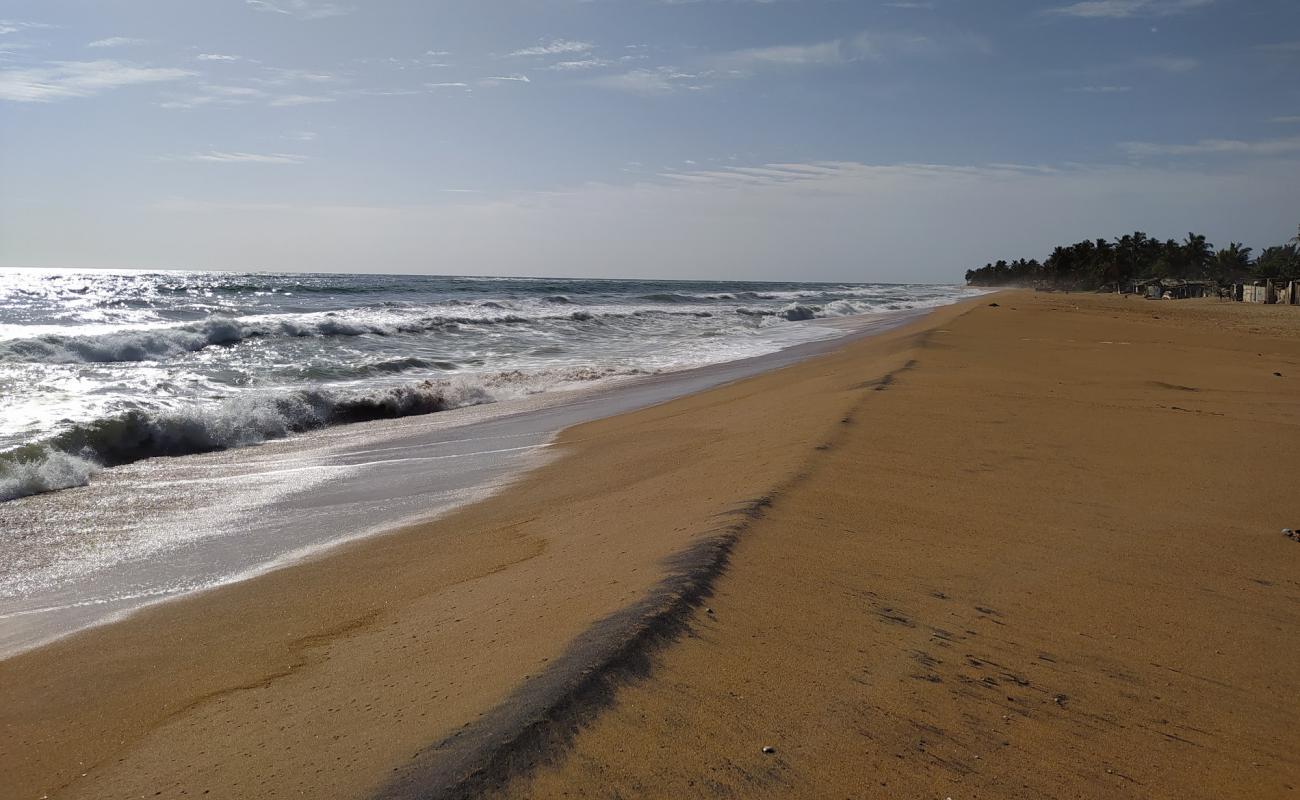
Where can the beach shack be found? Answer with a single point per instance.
(1175, 289)
(1255, 292)
(1285, 293)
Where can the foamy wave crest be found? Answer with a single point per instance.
(159, 344)
(72, 457)
(798, 312)
(51, 472)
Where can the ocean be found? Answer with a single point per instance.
(164, 432)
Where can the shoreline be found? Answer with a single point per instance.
(533, 421)
(81, 700)
(515, 647)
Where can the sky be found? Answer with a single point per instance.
(721, 139)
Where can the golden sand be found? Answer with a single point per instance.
(1014, 550)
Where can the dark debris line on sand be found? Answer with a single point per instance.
(544, 715)
(534, 726)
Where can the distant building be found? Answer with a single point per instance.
(1174, 288)
(1280, 292)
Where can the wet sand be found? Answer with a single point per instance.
(1012, 550)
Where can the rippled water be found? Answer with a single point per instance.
(106, 368)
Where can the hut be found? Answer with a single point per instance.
(1285, 293)
(1256, 292)
(1175, 289)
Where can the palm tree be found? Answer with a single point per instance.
(1197, 253)
(1232, 263)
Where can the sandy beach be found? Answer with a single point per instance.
(1026, 546)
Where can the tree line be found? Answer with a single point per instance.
(1093, 264)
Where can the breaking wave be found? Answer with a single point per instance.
(72, 457)
(48, 472)
(159, 344)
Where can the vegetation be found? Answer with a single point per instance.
(1092, 264)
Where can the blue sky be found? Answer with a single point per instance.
(830, 139)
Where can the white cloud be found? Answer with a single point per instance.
(749, 62)
(497, 80)
(14, 26)
(1265, 147)
(586, 63)
(300, 100)
(864, 46)
(280, 76)
(221, 95)
(63, 79)
(447, 85)
(216, 57)
(212, 94)
(220, 157)
(1281, 47)
(839, 51)
(1286, 120)
(117, 41)
(301, 136)
(662, 80)
(555, 47)
(1122, 9)
(303, 9)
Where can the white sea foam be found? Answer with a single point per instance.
(50, 472)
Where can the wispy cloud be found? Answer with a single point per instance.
(1264, 147)
(497, 80)
(280, 76)
(447, 85)
(1122, 9)
(581, 64)
(213, 94)
(555, 47)
(1171, 64)
(60, 80)
(733, 65)
(300, 100)
(1280, 47)
(1103, 89)
(218, 95)
(840, 51)
(662, 80)
(117, 41)
(221, 157)
(303, 9)
(864, 46)
(216, 57)
(1289, 120)
(14, 26)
